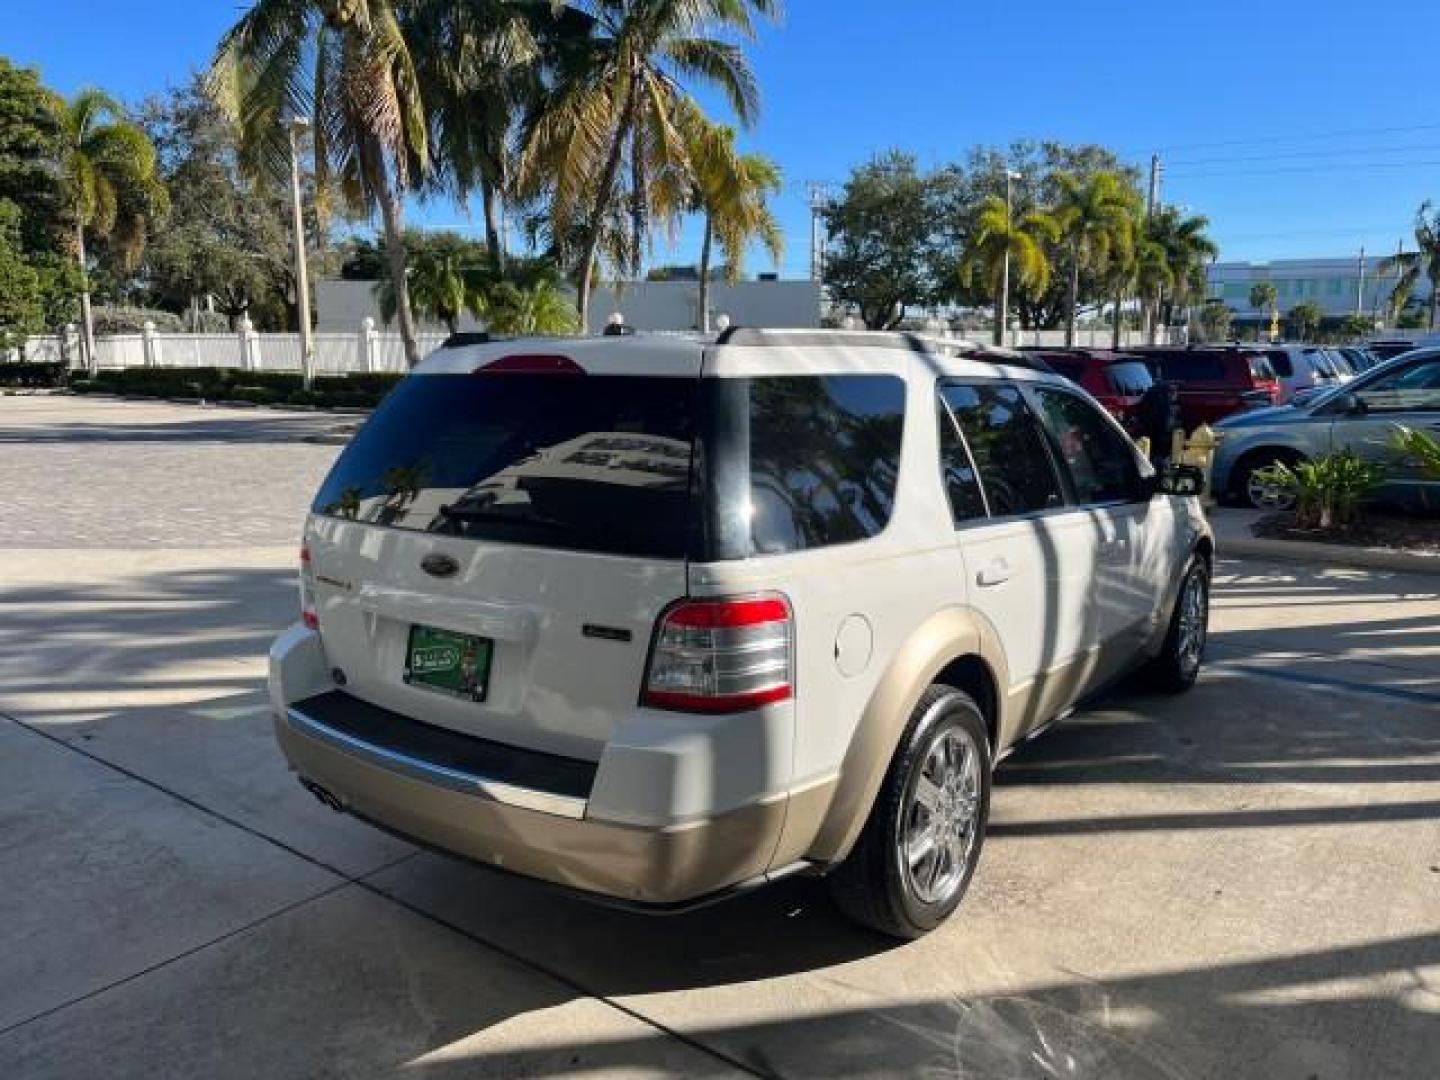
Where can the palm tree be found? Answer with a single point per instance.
(537, 308)
(1185, 248)
(441, 287)
(1410, 265)
(621, 91)
(347, 62)
(1095, 214)
(112, 185)
(997, 234)
(1262, 298)
(731, 191)
(479, 68)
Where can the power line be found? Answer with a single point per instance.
(1336, 167)
(1272, 139)
(1334, 152)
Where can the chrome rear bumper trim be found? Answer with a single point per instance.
(427, 772)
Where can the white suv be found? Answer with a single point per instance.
(659, 620)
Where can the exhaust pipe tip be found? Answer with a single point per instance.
(325, 796)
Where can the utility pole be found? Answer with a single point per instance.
(817, 248)
(296, 126)
(1153, 202)
(1148, 316)
(1360, 290)
(1003, 328)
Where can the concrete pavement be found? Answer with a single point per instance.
(1243, 881)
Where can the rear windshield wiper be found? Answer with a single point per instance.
(478, 513)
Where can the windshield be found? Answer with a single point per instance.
(1130, 378)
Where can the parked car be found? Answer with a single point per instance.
(658, 620)
(1116, 380)
(1214, 381)
(1303, 367)
(1389, 348)
(1361, 416)
(1359, 358)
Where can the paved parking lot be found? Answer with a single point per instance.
(1241, 882)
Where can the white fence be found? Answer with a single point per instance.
(367, 349)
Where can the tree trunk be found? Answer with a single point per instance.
(391, 214)
(492, 226)
(1115, 320)
(637, 203)
(999, 336)
(1074, 295)
(705, 275)
(87, 322)
(590, 245)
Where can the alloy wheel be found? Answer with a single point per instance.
(940, 817)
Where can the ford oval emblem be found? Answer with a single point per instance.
(437, 564)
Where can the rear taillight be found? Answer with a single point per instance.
(307, 592)
(717, 656)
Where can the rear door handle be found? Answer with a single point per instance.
(995, 572)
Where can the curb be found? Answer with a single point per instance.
(1328, 554)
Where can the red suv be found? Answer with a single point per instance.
(1215, 381)
(1116, 380)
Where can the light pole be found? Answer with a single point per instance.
(295, 128)
(1010, 177)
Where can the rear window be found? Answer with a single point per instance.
(629, 465)
(1261, 370)
(1129, 378)
(595, 464)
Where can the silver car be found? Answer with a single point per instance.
(1362, 415)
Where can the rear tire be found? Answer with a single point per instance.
(915, 857)
(1178, 665)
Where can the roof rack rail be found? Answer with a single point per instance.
(906, 341)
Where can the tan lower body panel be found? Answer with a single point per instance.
(658, 866)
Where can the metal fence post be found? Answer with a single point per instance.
(367, 345)
(147, 342)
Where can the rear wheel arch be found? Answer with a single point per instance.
(953, 644)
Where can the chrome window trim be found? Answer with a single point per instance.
(452, 779)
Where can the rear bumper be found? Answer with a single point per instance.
(532, 818)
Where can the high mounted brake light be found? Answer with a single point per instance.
(719, 656)
(531, 364)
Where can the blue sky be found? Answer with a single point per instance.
(1298, 128)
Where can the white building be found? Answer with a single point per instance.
(646, 305)
(1334, 284)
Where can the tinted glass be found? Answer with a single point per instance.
(1260, 369)
(824, 458)
(1008, 446)
(1280, 361)
(1414, 388)
(1193, 367)
(1100, 460)
(962, 486)
(1073, 370)
(587, 462)
(1129, 377)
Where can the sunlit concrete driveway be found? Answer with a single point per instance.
(1241, 882)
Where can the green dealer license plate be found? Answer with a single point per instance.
(447, 662)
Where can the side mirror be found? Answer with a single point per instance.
(1346, 404)
(1187, 481)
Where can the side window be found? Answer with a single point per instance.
(824, 458)
(1008, 446)
(1415, 388)
(1280, 361)
(1099, 458)
(962, 486)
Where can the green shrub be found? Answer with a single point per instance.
(1327, 491)
(260, 395)
(113, 319)
(1423, 447)
(33, 373)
